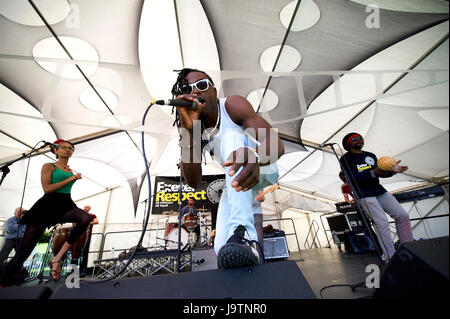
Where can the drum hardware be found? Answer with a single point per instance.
(61, 235)
(189, 221)
(170, 212)
(188, 236)
(171, 236)
(56, 242)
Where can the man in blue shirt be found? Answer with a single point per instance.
(14, 233)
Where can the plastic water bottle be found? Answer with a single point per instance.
(112, 253)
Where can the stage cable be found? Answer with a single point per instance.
(147, 218)
(33, 149)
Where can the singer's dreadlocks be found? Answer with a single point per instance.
(180, 82)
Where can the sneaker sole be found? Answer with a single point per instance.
(235, 255)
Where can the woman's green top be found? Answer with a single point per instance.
(58, 175)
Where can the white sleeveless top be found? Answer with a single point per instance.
(231, 137)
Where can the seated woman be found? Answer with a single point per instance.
(55, 207)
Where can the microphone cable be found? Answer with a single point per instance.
(147, 216)
(33, 149)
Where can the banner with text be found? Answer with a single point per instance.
(167, 193)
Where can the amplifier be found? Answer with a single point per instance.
(275, 247)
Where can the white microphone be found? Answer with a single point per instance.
(184, 103)
(325, 144)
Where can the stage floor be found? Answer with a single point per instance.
(321, 267)
(327, 266)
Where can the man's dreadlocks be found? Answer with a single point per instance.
(180, 82)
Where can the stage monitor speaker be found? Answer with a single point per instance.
(275, 247)
(359, 242)
(276, 280)
(417, 269)
(35, 292)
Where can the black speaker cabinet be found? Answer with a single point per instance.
(276, 280)
(418, 269)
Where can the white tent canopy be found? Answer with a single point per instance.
(315, 69)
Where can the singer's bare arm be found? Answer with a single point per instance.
(242, 113)
(191, 169)
(271, 149)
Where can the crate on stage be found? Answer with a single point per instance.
(348, 229)
(349, 219)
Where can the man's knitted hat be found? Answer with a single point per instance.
(347, 138)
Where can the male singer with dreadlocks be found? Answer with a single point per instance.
(247, 147)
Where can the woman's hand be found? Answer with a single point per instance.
(76, 176)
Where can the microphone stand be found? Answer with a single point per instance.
(5, 168)
(179, 222)
(145, 209)
(363, 213)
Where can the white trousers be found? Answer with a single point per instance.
(384, 204)
(236, 208)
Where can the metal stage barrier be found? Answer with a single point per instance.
(145, 263)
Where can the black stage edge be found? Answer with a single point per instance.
(37, 292)
(275, 280)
